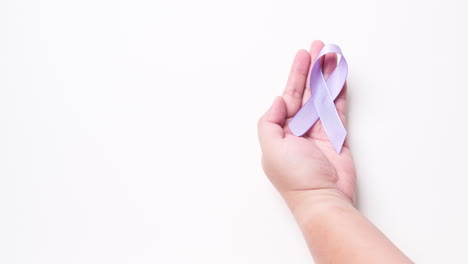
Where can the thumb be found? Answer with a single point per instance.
(270, 125)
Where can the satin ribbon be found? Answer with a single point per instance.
(321, 103)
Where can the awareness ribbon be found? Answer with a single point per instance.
(321, 103)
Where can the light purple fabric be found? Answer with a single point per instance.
(321, 104)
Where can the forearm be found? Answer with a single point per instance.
(337, 233)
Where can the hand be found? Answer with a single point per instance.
(318, 184)
(308, 163)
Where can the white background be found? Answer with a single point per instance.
(128, 128)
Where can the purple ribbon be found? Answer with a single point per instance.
(321, 103)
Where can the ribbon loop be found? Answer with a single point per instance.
(321, 103)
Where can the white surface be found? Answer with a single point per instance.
(128, 128)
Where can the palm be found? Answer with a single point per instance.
(336, 171)
(316, 146)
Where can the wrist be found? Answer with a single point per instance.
(316, 205)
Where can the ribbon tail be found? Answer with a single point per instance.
(304, 119)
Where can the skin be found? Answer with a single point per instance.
(318, 184)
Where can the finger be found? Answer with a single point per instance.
(329, 64)
(296, 82)
(315, 48)
(270, 125)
